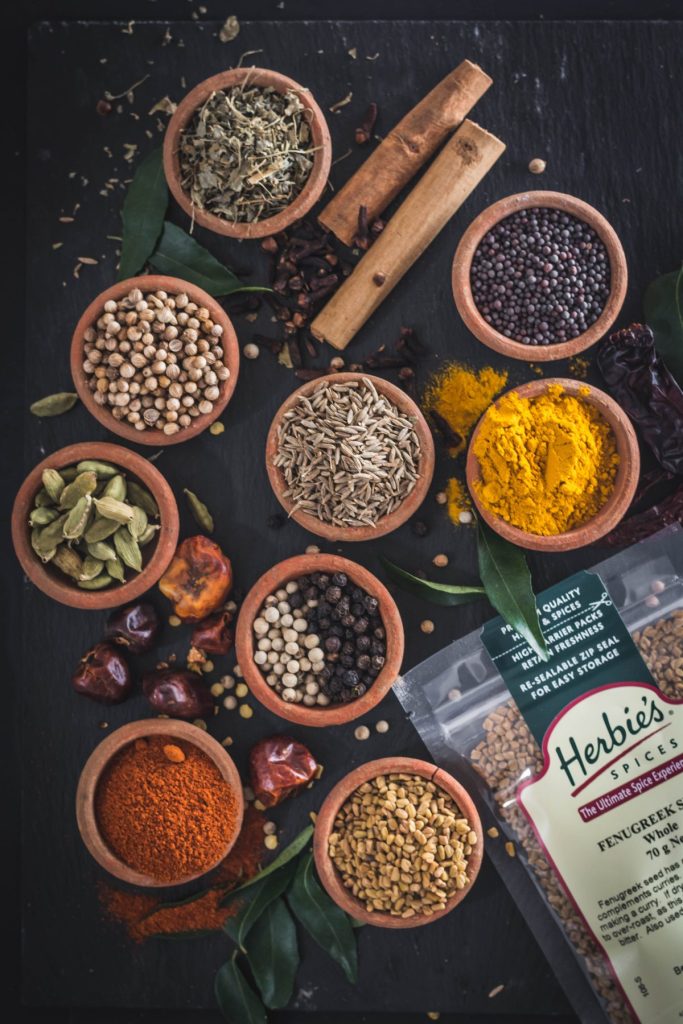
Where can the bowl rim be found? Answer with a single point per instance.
(96, 764)
(625, 484)
(488, 218)
(327, 872)
(334, 714)
(312, 189)
(153, 283)
(164, 548)
(407, 508)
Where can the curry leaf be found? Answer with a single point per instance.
(259, 899)
(322, 919)
(273, 954)
(663, 310)
(289, 852)
(505, 575)
(236, 1000)
(437, 593)
(144, 209)
(180, 255)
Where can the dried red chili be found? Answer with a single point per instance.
(667, 511)
(198, 580)
(214, 635)
(279, 766)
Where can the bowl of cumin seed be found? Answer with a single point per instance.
(350, 457)
(247, 152)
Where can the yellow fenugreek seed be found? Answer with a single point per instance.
(259, 806)
(510, 849)
(241, 690)
(427, 626)
(217, 428)
(173, 620)
(227, 742)
(271, 842)
(200, 723)
(246, 711)
(207, 667)
(217, 690)
(492, 832)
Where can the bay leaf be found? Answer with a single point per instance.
(437, 593)
(663, 311)
(144, 209)
(259, 899)
(289, 853)
(236, 1000)
(323, 920)
(273, 954)
(505, 575)
(178, 254)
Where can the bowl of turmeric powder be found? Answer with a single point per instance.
(159, 803)
(553, 465)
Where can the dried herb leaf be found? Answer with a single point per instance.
(273, 954)
(322, 919)
(437, 593)
(199, 510)
(54, 405)
(236, 1000)
(179, 255)
(663, 309)
(143, 213)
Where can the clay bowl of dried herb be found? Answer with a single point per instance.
(145, 487)
(338, 656)
(540, 266)
(266, 131)
(621, 439)
(382, 444)
(393, 794)
(155, 359)
(159, 803)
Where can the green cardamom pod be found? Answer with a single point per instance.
(91, 568)
(85, 483)
(44, 552)
(128, 550)
(99, 583)
(53, 482)
(104, 470)
(42, 516)
(68, 561)
(116, 488)
(78, 517)
(140, 496)
(101, 529)
(51, 535)
(111, 508)
(43, 499)
(54, 405)
(69, 474)
(138, 523)
(100, 550)
(149, 534)
(199, 510)
(115, 569)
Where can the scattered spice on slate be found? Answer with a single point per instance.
(320, 640)
(459, 502)
(247, 153)
(364, 131)
(540, 276)
(347, 454)
(457, 396)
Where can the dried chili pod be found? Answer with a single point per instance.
(177, 693)
(198, 580)
(214, 635)
(103, 675)
(135, 627)
(279, 766)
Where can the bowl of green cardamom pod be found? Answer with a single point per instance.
(94, 525)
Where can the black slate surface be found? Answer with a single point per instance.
(598, 102)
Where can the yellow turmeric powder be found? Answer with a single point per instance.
(461, 395)
(548, 463)
(458, 500)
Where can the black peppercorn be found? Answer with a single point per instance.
(332, 644)
(340, 579)
(419, 528)
(363, 643)
(378, 661)
(333, 594)
(371, 603)
(363, 662)
(361, 625)
(379, 633)
(351, 678)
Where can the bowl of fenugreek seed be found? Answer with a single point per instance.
(155, 359)
(350, 457)
(247, 153)
(94, 525)
(398, 843)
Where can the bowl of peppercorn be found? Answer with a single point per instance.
(320, 640)
(539, 276)
(155, 359)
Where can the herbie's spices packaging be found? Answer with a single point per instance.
(580, 761)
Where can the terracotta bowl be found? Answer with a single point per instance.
(625, 483)
(153, 283)
(333, 714)
(156, 555)
(324, 825)
(309, 194)
(462, 264)
(388, 523)
(97, 763)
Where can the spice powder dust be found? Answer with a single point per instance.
(163, 814)
(461, 395)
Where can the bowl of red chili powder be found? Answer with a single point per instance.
(159, 803)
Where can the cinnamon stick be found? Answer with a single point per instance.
(404, 150)
(455, 173)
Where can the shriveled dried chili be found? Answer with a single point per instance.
(279, 766)
(214, 635)
(198, 580)
(667, 511)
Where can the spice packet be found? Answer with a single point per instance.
(577, 766)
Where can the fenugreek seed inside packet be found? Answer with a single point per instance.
(607, 806)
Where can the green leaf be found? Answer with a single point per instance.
(273, 955)
(260, 898)
(179, 255)
(437, 593)
(322, 919)
(505, 574)
(289, 852)
(236, 1000)
(663, 310)
(144, 209)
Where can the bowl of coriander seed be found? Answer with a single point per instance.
(155, 359)
(247, 152)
